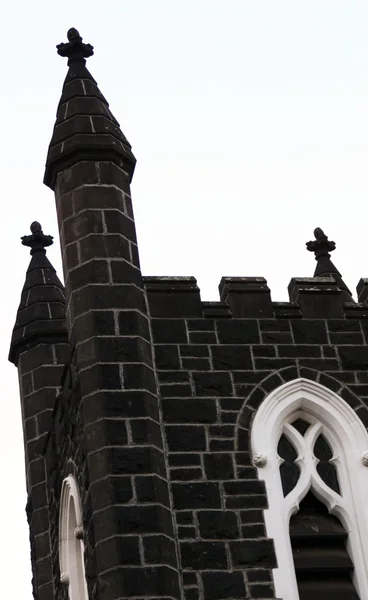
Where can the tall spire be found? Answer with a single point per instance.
(322, 247)
(85, 128)
(41, 312)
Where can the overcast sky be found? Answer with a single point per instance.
(249, 121)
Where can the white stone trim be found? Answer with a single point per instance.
(71, 546)
(348, 438)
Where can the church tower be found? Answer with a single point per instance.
(175, 448)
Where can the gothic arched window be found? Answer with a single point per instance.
(71, 546)
(310, 449)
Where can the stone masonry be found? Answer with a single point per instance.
(147, 394)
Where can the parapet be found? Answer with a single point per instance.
(318, 297)
(246, 296)
(173, 297)
(250, 297)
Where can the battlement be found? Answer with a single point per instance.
(250, 297)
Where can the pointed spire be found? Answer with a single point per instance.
(85, 128)
(322, 247)
(41, 312)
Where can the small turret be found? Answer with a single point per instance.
(39, 348)
(41, 313)
(90, 166)
(325, 294)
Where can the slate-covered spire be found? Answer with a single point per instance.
(322, 247)
(41, 313)
(85, 128)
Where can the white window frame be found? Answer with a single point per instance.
(332, 416)
(71, 546)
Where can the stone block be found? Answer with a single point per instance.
(173, 296)
(246, 296)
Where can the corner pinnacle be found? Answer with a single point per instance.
(322, 247)
(41, 312)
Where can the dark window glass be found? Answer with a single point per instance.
(301, 426)
(326, 469)
(289, 471)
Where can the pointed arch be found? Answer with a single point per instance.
(329, 416)
(71, 546)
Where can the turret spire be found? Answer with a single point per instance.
(41, 312)
(85, 129)
(322, 247)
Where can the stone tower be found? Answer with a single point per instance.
(177, 448)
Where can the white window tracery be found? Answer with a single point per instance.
(71, 546)
(330, 419)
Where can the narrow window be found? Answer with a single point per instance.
(71, 546)
(318, 539)
(312, 444)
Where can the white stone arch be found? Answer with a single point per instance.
(330, 414)
(71, 546)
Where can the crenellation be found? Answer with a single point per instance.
(215, 310)
(318, 297)
(246, 296)
(354, 311)
(310, 297)
(173, 296)
(287, 310)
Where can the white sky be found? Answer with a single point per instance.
(249, 121)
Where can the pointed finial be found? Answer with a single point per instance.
(37, 241)
(75, 49)
(321, 246)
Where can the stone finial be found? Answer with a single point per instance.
(88, 132)
(37, 241)
(321, 246)
(75, 49)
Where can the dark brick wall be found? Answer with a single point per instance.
(213, 374)
(40, 368)
(158, 394)
(165, 473)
